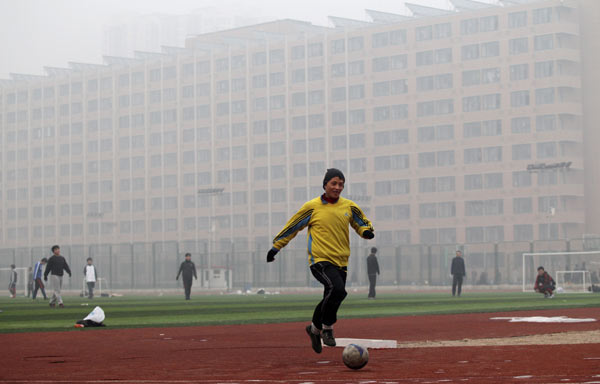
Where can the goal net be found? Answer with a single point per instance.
(100, 286)
(22, 280)
(573, 281)
(571, 267)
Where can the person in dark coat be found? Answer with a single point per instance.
(187, 270)
(544, 283)
(12, 285)
(457, 270)
(372, 272)
(55, 267)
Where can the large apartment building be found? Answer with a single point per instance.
(452, 127)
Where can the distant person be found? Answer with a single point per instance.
(574, 277)
(12, 284)
(483, 278)
(29, 282)
(544, 283)
(187, 270)
(372, 272)
(457, 270)
(91, 275)
(38, 270)
(56, 265)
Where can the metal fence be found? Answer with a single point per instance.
(155, 265)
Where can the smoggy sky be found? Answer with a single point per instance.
(38, 33)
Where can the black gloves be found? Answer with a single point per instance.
(368, 234)
(271, 254)
(45, 278)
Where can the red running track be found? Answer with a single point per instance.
(282, 353)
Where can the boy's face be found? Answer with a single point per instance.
(188, 258)
(89, 262)
(540, 272)
(458, 253)
(56, 251)
(334, 188)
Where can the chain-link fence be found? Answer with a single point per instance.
(155, 265)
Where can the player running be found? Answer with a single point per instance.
(327, 218)
(544, 283)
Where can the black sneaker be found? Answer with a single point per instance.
(328, 339)
(315, 340)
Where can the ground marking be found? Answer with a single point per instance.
(368, 343)
(543, 319)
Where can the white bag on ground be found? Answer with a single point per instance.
(97, 315)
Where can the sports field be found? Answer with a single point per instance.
(23, 315)
(260, 338)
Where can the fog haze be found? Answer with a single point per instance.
(37, 33)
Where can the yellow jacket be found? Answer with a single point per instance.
(328, 237)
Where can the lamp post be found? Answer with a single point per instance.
(210, 192)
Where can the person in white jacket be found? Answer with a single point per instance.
(91, 275)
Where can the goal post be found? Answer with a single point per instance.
(100, 285)
(567, 263)
(573, 281)
(22, 280)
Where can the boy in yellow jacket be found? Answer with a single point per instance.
(327, 218)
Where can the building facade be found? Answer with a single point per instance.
(462, 127)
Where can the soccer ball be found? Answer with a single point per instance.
(355, 356)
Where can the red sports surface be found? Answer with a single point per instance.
(282, 353)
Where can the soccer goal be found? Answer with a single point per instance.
(573, 268)
(22, 280)
(101, 284)
(573, 281)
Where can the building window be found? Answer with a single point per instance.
(546, 150)
(517, 19)
(469, 26)
(355, 44)
(521, 179)
(424, 33)
(315, 49)
(544, 69)
(338, 46)
(523, 232)
(356, 68)
(470, 52)
(543, 42)
(542, 16)
(545, 123)
(519, 72)
(520, 125)
(519, 98)
(521, 151)
(544, 96)
(441, 31)
(298, 52)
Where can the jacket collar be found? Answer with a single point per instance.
(326, 200)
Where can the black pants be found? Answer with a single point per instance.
(333, 279)
(39, 285)
(187, 286)
(546, 289)
(457, 282)
(91, 285)
(372, 283)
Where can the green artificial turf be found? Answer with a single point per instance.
(24, 315)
